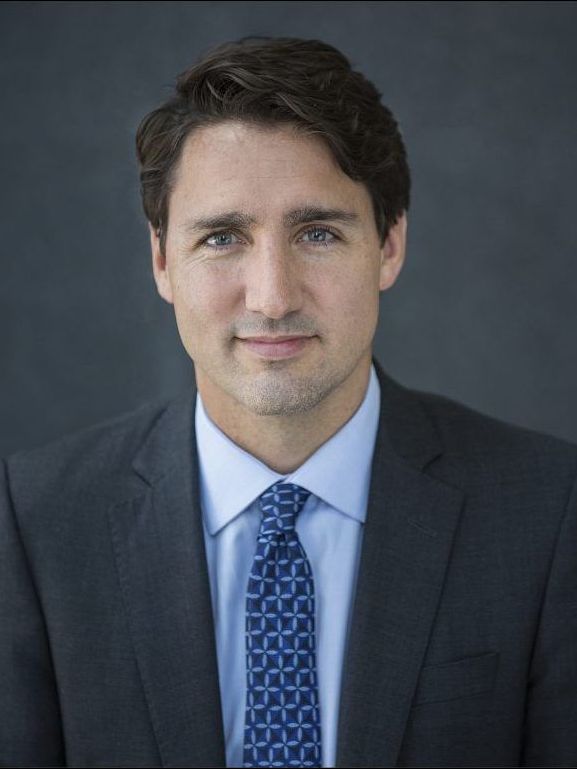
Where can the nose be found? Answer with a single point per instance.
(272, 281)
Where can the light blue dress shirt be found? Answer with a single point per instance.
(330, 528)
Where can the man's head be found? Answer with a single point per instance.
(282, 133)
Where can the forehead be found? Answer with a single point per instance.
(263, 167)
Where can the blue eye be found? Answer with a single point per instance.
(217, 235)
(321, 229)
(227, 233)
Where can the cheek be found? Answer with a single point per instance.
(202, 300)
(350, 298)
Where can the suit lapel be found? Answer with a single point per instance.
(408, 533)
(160, 555)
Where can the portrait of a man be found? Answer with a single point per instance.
(298, 561)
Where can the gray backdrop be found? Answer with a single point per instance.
(484, 310)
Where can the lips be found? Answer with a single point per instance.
(272, 339)
(276, 347)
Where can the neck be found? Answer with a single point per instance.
(284, 443)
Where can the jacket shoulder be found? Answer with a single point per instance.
(480, 438)
(93, 460)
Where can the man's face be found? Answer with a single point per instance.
(276, 277)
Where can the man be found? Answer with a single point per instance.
(299, 561)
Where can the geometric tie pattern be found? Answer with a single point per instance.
(282, 719)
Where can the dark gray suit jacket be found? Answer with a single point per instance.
(463, 647)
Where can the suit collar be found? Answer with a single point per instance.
(170, 441)
(405, 429)
(159, 548)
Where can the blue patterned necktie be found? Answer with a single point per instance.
(282, 720)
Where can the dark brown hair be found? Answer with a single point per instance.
(271, 81)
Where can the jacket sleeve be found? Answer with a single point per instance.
(30, 727)
(550, 734)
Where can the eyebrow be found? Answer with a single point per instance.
(290, 218)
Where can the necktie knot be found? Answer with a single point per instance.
(280, 504)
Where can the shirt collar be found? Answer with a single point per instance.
(338, 472)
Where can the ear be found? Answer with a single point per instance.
(159, 267)
(393, 253)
